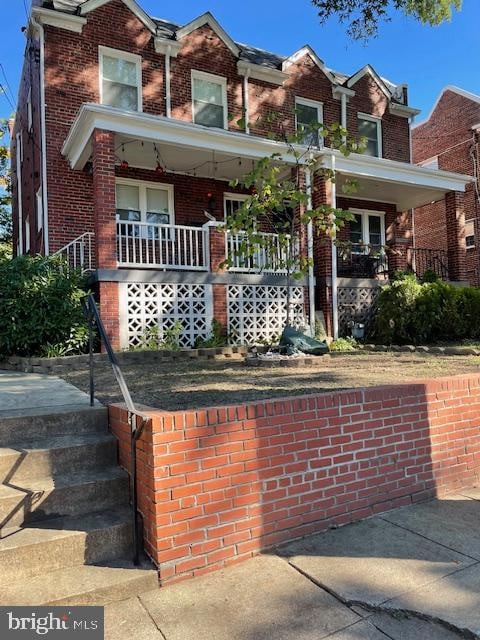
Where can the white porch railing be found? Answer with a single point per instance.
(270, 258)
(162, 246)
(79, 252)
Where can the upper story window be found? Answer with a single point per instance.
(120, 79)
(308, 113)
(144, 202)
(209, 100)
(370, 128)
(367, 231)
(470, 234)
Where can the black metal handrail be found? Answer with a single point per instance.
(93, 318)
(362, 260)
(434, 260)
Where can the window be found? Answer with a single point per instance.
(371, 129)
(308, 112)
(39, 199)
(232, 203)
(367, 231)
(27, 234)
(29, 110)
(209, 98)
(120, 79)
(144, 202)
(470, 234)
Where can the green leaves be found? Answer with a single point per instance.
(41, 310)
(363, 16)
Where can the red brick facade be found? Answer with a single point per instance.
(218, 485)
(448, 136)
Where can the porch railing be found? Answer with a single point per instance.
(269, 258)
(362, 261)
(434, 260)
(162, 246)
(79, 252)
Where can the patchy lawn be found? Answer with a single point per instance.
(193, 384)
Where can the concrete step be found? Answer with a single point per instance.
(87, 585)
(60, 543)
(66, 495)
(48, 423)
(54, 456)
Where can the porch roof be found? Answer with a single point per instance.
(184, 147)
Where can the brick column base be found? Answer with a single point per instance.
(109, 311)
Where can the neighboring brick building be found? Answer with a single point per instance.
(128, 130)
(449, 139)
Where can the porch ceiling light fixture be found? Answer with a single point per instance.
(159, 169)
(124, 164)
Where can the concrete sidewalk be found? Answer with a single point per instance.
(23, 394)
(410, 574)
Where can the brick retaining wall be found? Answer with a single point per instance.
(218, 485)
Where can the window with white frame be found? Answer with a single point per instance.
(308, 113)
(470, 234)
(232, 203)
(209, 100)
(39, 202)
(367, 231)
(29, 110)
(120, 79)
(370, 128)
(144, 202)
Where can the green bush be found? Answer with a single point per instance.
(40, 307)
(411, 312)
(344, 344)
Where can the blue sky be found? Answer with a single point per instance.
(425, 58)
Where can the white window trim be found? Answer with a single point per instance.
(123, 55)
(238, 197)
(378, 121)
(210, 77)
(143, 185)
(471, 224)
(365, 235)
(39, 203)
(310, 103)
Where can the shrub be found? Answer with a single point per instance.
(40, 307)
(410, 312)
(344, 344)
(169, 339)
(216, 338)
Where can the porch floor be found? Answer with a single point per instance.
(189, 385)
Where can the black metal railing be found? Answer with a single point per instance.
(429, 260)
(136, 419)
(362, 261)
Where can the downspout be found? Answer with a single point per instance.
(334, 260)
(168, 94)
(412, 211)
(246, 101)
(343, 98)
(19, 190)
(41, 33)
(311, 285)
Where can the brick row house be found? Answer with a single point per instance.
(449, 139)
(128, 132)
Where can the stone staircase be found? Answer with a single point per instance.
(65, 521)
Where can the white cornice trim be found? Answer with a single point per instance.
(164, 45)
(399, 172)
(307, 51)
(208, 18)
(259, 72)
(450, 87)
(60, 20)
(167, 130)
(402, 110)
(338, 90)
(91, 5)
(368, 70)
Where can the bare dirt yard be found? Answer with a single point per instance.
(192, 384)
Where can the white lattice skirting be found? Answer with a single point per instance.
(143, 306)
(257, 313)
(356, 304)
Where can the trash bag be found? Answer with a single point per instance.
(293, 341)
